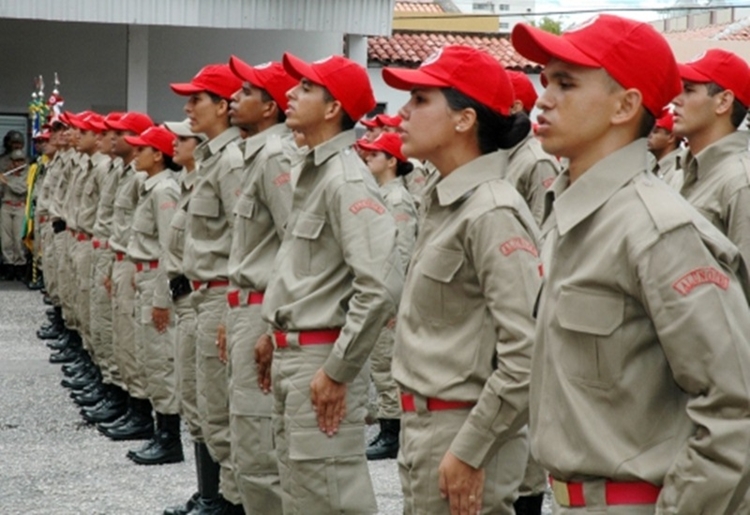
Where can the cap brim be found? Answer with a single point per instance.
(136, 141)
(540, 46)
(689, 73)
(115, 125)
(178, 129)
(185, 88)
(370, 124)
(244, 71)
(299, 69)
(407, 79)
(366, 145)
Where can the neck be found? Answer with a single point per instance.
(455, 157)
(385, 177)
(709, 136)
(661, 154)
(593, 152)
(154, 171)
(215, 130)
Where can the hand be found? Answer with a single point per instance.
(108, 286)
(221, 343)
(160, 316)
(329, 401)
(461, 484)
(263, 359)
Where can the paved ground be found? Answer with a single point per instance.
(53, 463)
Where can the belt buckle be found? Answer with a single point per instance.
(560, 492)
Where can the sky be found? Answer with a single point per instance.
(602, 6)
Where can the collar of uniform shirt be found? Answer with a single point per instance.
(99, 158)
(459, 184)
(253, 144)
(152, 181)
(187, 180)
(333, 146)
(705, 162)
(598, 184)
(211, 147)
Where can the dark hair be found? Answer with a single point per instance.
(739, 112)
(217, 98)
(648, 121)
(265, 97)
(402, 167)
(169, 163)
(495, 131)
(346, 121)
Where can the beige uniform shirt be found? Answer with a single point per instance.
(338, 265)
(669, 168)
(57, 197)
(641, 366)
(531, 171)
(464, 328)
(208, 233)
(717, 184)
(126, 200)
(401, 205)
(15, 190)
(105, 209)
(262, 209)
(89, 202)
(81, 167)
(51, 182)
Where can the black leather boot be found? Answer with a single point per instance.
(113, 406)
(50, 333)
(66, 355)
(194, 501)
(139, 426)
(167, 446)
(385, 445)
(89, 397)
(529, 505)
(210, 502)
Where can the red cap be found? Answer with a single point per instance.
(666, 121)
(370, 123)
(388, 142)
(270, 77)
(473, 72)
(101, 124)
(631, 52)
(524, 89)
(389, 121)
(723, 68)
(130, 121)
(83, 120)
(158, 137)
(214, 78)
(42, 136)
(346, 80)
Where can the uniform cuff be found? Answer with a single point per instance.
(340, 370)
(472, 445)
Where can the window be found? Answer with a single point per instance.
(504, 25)
(483, 6)
(503, 7)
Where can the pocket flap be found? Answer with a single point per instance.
(144, 225)
(440, 264)
(245, 207)
(203, 206)
(312, 444)
(309, 226)
(124, 202)
(178, 221)
(590, 311)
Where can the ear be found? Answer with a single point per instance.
(222, 108)
(271, 110)
(333, 110)
(158, 155)
(724, 102)
(628, 107)
(465, 119)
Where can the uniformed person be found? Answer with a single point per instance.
(335, 282)
(208, 235)
(13, 194)
(708, 112)
(468, 295)
(32, 228)
(641, 367)
(389, 166)
(147, 248)
(664, 146)
(260, 217)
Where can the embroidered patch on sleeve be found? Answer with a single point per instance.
(167, 205)
(402, 217)
(366, 203)
(517, 243)
(282, 179)
(548, 182)
(698, 276)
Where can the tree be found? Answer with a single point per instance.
(547, 24)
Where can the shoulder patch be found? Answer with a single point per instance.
(367, 203)
(509, 247)
(699, 276)
(282, 178)
(662, 203)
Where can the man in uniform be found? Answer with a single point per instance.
(260, 216)
(208, 237)
(335, 283)
(12, 213)
(664, 146)
(708, 112)
(640, 376)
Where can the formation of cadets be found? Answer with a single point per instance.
(252, 269)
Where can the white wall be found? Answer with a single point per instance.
(384, 93)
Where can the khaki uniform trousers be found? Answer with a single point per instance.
(250, 412)
(81, 261)
(185, 362)
(123, 328)
(212, 383)
(319, 474)
(425, 438)
(389, 401)
(11, 222)
(154, 350)
(49, 262)
(65, 279)
(101, 314)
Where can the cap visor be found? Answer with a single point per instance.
(185, 88)
(136, 141)
(689, 73)
(299, 69)
(115, 125)
(406, 79)
(370, 124)
(540, 46)
(244, 71)
(366, 145)
(179, 129)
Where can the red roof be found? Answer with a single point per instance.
(419, 6)
(411, 48)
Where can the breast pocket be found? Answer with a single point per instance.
(144, 223)
(309, 252)
(437, 294)
(593, 341)
(177, 230)
(205, 212)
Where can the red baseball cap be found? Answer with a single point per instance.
(388, 142)
(524, 89)
(101, 123)
(270, 77)
(370, 123)
(41, 136)
(473, 72)
(158, 137)
(723, 68)
(389, 121)
(346, 80)
(666, 120)
(130, 121)
(213, 78)
(633, 53)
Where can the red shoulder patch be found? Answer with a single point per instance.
(698, 276)
(548, 182)
(282, 179)
(167, 205)
(367, 203)
(419, 179)
(402, 217)
(518, 243)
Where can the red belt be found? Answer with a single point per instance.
(82, 236)
(14, 204)
(254, 297)
(433, 404)
(208, 284)
(99, 244)
(146, 265)
(615, 493)
(323, 337)
(119, 256)
(42, 219)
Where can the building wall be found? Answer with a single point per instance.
(393, 98)
(509, 12)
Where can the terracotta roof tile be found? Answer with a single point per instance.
(707, 32)
(420, 6)
(411, 48)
